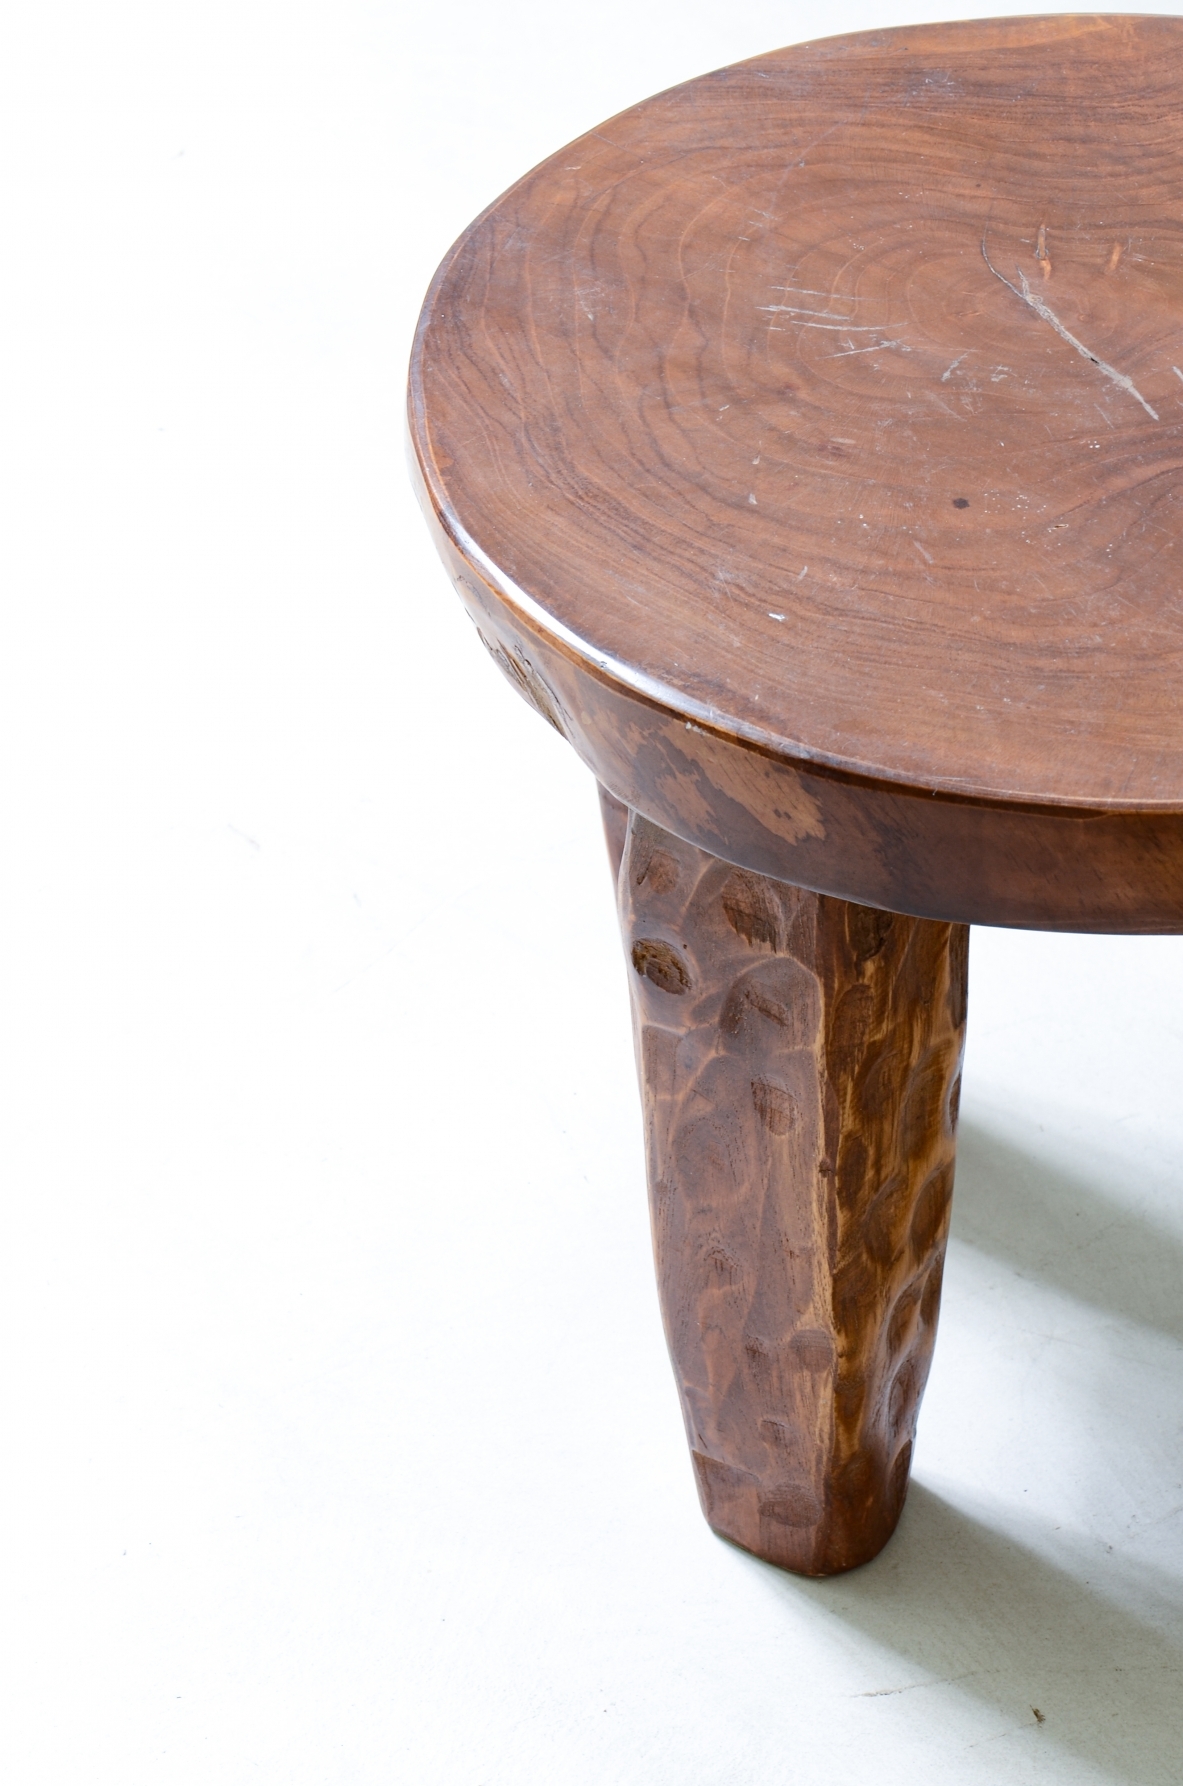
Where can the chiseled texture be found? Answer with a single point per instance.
(800, 1060)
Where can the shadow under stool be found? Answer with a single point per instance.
(806, 444)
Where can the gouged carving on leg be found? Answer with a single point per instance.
(799, 1060)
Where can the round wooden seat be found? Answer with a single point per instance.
(807, 444)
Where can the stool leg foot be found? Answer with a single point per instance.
(799, 1060)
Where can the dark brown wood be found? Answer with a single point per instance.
(800, 1067)
(806, 444)
(615, 815)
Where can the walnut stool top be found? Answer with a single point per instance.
(807, 442)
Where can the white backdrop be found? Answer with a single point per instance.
(340, 1442)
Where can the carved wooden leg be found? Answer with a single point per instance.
(799, 1061)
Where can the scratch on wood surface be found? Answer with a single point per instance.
(933, 398)
(845, 328)
(800, 310)
(808, 291)
(1114, 257)
(1041, 253)
(875, 346)
(947, 374)
(1049, 316)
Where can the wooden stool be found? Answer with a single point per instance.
(806, 446)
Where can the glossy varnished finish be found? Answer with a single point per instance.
(800, 1064)
(806, 443)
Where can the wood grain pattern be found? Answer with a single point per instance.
(800, 1066)
(810, 439)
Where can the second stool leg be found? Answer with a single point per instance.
(799, 1061)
